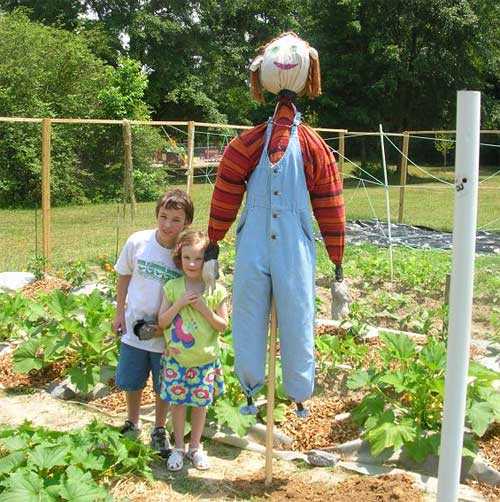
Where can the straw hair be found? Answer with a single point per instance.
(313, 84)
(256, 86)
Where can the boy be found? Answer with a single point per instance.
(144, 266)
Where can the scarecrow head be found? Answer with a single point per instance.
(286, 63)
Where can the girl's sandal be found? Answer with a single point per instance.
(175, 460)
(199, 459)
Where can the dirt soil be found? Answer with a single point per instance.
(490, 446)
(45, 285)
(319, 430)
(19, 382)
(481, 314)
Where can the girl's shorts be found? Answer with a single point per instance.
(197, 386)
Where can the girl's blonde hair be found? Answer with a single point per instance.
(189, 238)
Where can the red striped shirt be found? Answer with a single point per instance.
(322, 177)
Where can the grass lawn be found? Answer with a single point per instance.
(84, 232)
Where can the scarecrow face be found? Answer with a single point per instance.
(285, 65)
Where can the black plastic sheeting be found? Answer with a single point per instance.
(375, 232)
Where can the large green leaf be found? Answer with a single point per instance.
(60, 304)
(482, 374)
(25, 486)
(371, 405)
(390, 435)
(13, 443)
(80, 487)
(55, 345)
(80, 456)
(25, 357)
(396, 379)
(228, 414)
(84, 378)
(46, 457)
(11, 461)
(359, 379)
(433, 355)
(401, 345)
(480, 416)
(36, 311)
(420, 448)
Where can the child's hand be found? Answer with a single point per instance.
(119, 324)
(188, 298)
(200, 304)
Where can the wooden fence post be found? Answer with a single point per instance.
(341, 152)
(190, 166)
(46, 137)
(128, 174)
(403, 174)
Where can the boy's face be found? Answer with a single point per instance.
(171, 222)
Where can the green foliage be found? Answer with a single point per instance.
(75, 329)
(332, 350)
(37, 266)
(76, 272)
(40, 464)
(150, 185)
(226, 410)
(49, 72)
(404, 400)
(12, 309)
(444, 144)
(122, 98)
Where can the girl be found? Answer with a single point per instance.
(191, 370)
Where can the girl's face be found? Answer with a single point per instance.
(192, 260)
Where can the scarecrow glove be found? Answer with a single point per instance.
(210, 272)
(340, 295)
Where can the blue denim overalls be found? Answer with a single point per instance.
(275, 255)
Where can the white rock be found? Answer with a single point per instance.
(87, 289)
(322, 458)
(14, 281)
(342, 417)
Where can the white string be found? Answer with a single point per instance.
(488, 224)
(428, 138)
(417, 166)
(353, 193)
(373, 210)
(356, 165)
(489, 177)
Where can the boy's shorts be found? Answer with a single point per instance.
(134, 366)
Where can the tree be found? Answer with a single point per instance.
(48, 72)
(444, 144)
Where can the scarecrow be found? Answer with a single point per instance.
(284, 168)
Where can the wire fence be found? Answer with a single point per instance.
(111, 173)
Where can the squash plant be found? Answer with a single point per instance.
(12, 309)
(404, 401)
(76, 329)
(40, 464)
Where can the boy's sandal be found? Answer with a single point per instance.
(199, 459)
(175, 460)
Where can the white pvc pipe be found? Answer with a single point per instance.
(387, 203)
(461, 288)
